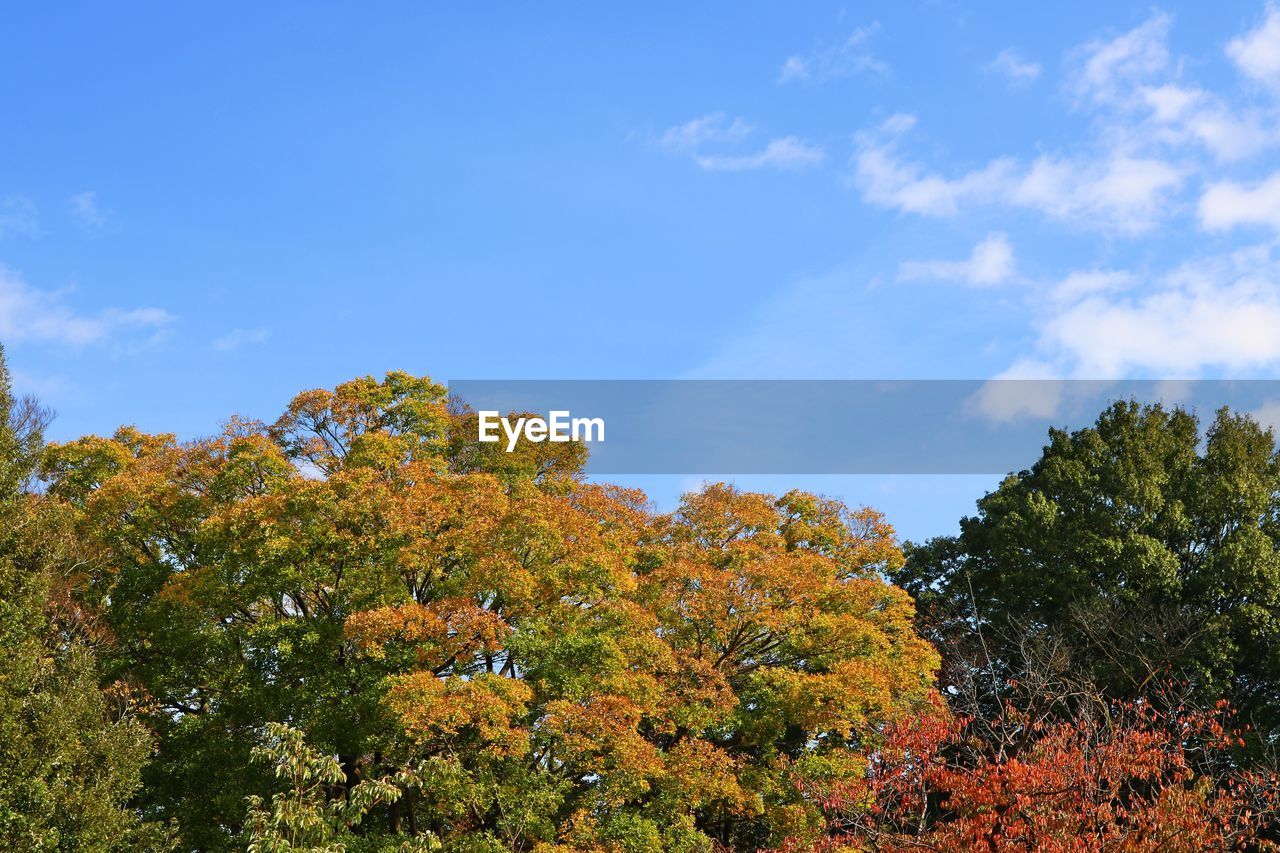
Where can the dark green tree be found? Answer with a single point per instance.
(70, 753)
(1141, 548)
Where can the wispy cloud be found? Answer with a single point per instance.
(1013, 68)
(789, 152)
(29, 314)
(1144, 159)
(1036, 395)
(890, 180)
(237, 338)
(18, 217)
(715, 142)
(1119, 192)
(849, 57)
(1180, 115)
(1135, 83)
(43, 386)
(1080, 284)
(1106, 70)
(991, 262)
(713, 128)
(86, 209)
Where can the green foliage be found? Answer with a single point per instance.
(21, 426)
(305, 817)
(1148, 549)
(70, 754)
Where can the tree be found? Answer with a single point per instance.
(1115, 776)
(540, 662)
(661, 696)
(70, 753)
(305, 817)
(1146, 548)
(1043, 759)
(225, 568)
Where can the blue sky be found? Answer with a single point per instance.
(203, 211)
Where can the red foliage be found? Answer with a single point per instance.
(1116, 777)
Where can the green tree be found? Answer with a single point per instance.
(305, 817)
(70, 753)
(1143, 548)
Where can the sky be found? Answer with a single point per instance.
(204, 210)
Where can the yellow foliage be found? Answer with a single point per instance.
(445, 710)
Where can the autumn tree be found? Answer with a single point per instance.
(1112, 776)
(539, 662)
(1144, 545)
(70, 753)
(617, 681)
(777, 610)
(226, 567)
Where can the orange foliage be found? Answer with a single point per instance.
(479, 713)
(1115, 777)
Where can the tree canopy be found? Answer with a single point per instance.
(357, 628)
(1148, 547)
(70, 751)
(538, 662)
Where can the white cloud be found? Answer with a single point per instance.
(85, 208)
(991, 262)
(889, 180)
(693, 138)
(1134, 83)
(785, 153)
(237, 338)
(1257, 53)
(1126, 193)
(1118, 192)
(1029, 388)
(1181, 115)
(1170, 102)
(28, 314)
(1080, 284)
(1229, 136)
(1218, 313)
(1016, 70)
(1268, 415)
(850, 57)
(18, 217)
(1227, 204)
(1106, 70)
(711, 128)
(1170, 331)
(1146, 147)
(795, 68)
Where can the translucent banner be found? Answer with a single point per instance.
(823, 426)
